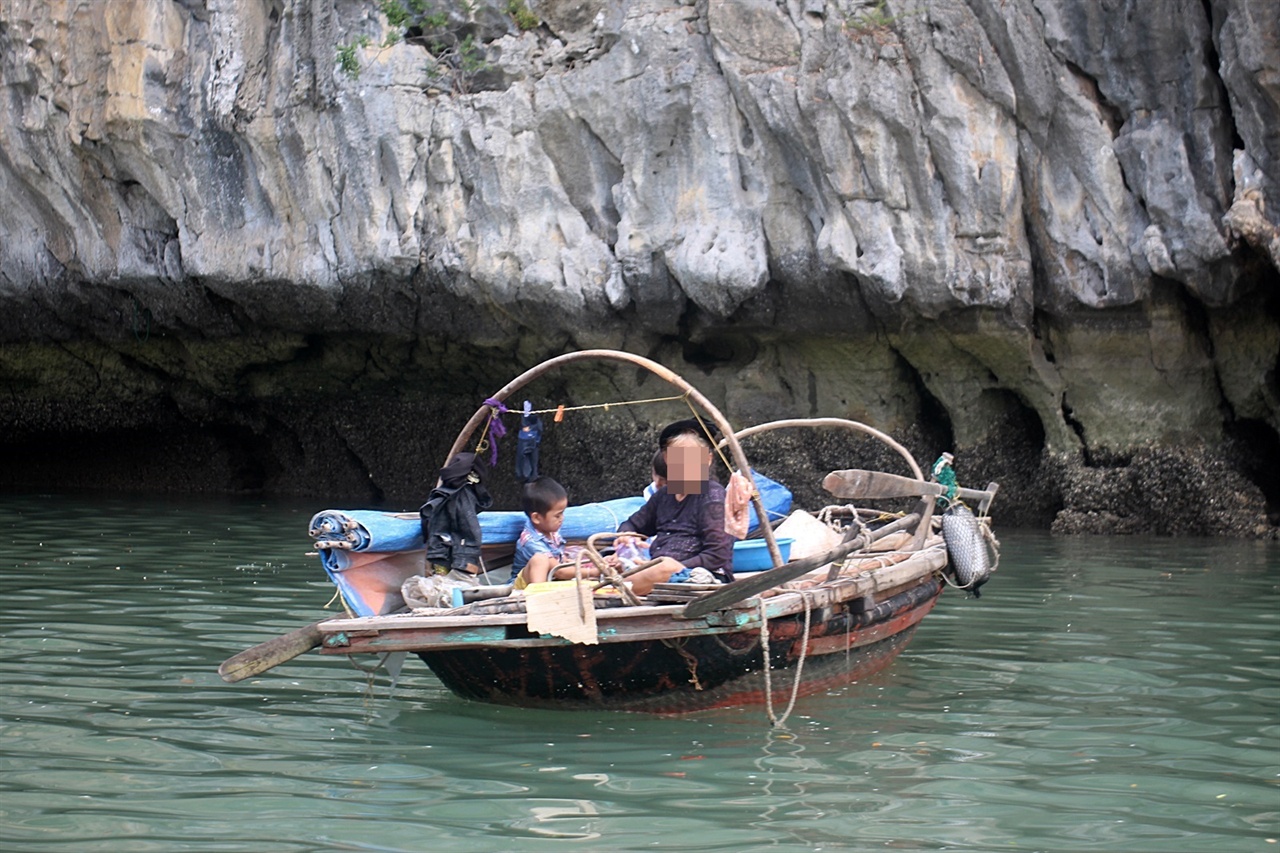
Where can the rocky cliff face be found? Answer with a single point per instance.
(1044, 234)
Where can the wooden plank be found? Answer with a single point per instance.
(881, 582)
(984, 504)
(410, 640)
(741, 590)
(264, 656)
(406, 640)
(409, 620)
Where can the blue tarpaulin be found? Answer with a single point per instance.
(374, 530)
(342, 535)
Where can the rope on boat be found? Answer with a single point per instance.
(768, 675)
(715, 445)
(690, 661)
(993, 544)
(730, 650)
(370, 670)
(827, 515)
(494, 429)
(711, 439)
(608, 574)
(560, 410)
(945, 475)
(341, 599)
(768, 670)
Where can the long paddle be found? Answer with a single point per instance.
(857, 484)
(273, 652)
(739, 590)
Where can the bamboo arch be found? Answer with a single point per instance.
(730, 438)
(926, 512)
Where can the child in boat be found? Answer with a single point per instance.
(659, 478)
(685, 518)
(540, 547)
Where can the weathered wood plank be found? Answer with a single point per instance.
(262, 657)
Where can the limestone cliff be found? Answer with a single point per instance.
(1044, 234)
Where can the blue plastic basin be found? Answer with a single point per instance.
(752, 555)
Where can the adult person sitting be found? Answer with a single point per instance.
(684, 520)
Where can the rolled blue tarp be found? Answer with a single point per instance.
(371, 530)
(579, 521)
(366, 530)
(582, 521)
(377, 531)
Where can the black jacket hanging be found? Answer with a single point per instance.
(450, 517)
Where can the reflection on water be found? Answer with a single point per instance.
(1104, 694)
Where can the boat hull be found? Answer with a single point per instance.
(843, 643)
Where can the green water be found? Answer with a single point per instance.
(1118, 695)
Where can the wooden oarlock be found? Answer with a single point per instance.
(858, 484)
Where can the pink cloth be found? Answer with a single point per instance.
(737, 499)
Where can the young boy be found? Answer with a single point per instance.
(540, 547)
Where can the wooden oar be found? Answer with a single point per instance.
(757, 583)
(857, 484)
(274, 652)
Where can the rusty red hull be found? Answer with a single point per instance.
(695, 672)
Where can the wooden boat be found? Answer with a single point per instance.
(858, 582)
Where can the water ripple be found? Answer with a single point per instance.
(1103, 694)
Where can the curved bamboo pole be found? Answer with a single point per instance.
(662, 372)
(927, 503)
(856, 426)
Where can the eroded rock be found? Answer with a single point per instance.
(1030, 231)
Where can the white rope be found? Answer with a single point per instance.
(617, 522)
(777, 722)
(558, 409)
(804, 653)
(768, 674)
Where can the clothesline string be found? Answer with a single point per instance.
(486, 440)
(559, 411)
(602, 405)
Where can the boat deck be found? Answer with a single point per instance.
(868, 578)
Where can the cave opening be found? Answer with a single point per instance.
(1258, 448)
(142, 460)
(1013, 456)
